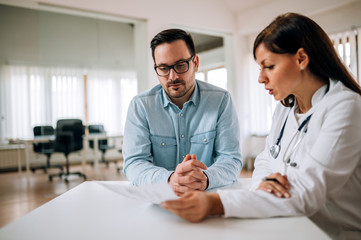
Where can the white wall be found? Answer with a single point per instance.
(211, 58)
(211, 16)
(327, 13)
(40, 38)
(159, 14)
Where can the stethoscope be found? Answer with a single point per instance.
(276, 148)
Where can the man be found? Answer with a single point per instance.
(182, 131)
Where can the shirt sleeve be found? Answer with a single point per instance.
(228, 163)
(325, 171)
(138, 160)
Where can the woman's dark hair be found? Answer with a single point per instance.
(171, 35)
(290, 32)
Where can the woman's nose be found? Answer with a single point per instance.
(262, 77)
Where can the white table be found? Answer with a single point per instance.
(91, 211)
(96, 138)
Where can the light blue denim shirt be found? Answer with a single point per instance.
(158, 135)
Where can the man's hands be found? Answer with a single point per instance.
(276, 184)
(188, 176)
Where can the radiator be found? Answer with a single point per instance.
(9, 155)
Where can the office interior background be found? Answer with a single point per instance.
(86, 59)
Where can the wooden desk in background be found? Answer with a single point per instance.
(96, 151)
(28, 143)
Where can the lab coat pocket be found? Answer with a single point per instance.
(323, 148)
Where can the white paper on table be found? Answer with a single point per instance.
(154, 193)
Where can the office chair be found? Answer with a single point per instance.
(120, 168)
(44, 148)
(68, 138)
(102, 144)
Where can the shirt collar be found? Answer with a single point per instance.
(194, 98)
(316, 98)
(319, 94)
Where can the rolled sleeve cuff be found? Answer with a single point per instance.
(164, 176)
(225, 203)
(212, 181)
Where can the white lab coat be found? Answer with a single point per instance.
(326, 183)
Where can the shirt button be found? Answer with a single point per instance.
(182, 136)
(205, 140)
(163, 144)
(181, 114)
(183, 156)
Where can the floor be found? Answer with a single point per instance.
(17, 197)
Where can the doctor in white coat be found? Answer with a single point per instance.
(311, 164)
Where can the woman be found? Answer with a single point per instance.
(311, 164)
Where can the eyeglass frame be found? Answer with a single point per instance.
(172, 67)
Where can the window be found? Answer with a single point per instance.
(109, 95)
(347, 46)
(258, 105)
(33, 96)
(217, 77)
(200, 76)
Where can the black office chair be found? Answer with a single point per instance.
(68, 138)
(120, 168)
(44, 148)
(102, 144)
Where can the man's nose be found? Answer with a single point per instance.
(172, 74)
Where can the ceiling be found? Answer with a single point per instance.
(203, 42)
(252, 14)
(240, 6)
(307, 7)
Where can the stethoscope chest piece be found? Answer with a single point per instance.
(275, 150)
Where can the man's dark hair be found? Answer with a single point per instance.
(171, 35)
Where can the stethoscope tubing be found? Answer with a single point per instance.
(275, 149)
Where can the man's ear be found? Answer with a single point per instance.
(302, 58)
(196, 63)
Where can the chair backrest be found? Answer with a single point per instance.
(43, 131)
(96, 128)
(69, 135)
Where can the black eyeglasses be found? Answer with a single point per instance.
(179, 67)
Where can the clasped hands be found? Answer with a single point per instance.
(188, 176)
(189, 182)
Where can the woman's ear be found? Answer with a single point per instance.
(302, 58)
